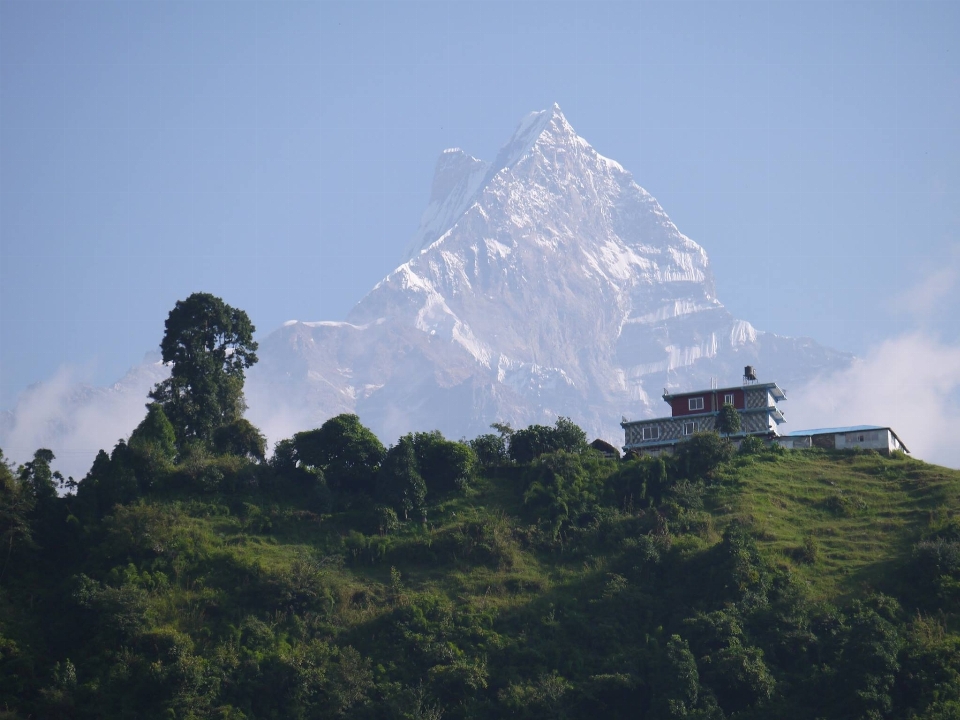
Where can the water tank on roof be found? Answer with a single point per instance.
(749, 373)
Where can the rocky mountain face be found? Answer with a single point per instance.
(544, 283)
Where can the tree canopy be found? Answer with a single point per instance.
(348, 453)
(532, 442)
(208, 345)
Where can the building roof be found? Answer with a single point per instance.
(830, 431)
(774, 389)
(604, 446)
(848, 429)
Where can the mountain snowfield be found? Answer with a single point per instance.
(545, 283)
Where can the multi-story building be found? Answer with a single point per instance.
(698, 411)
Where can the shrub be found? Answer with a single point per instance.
(752, 445)
(728, 421)
(688, 495)
(808, 552)
(205, 474)
(349, 453)
(844, 504)
(387, 520)
(699, 457)
(937, 556)
(490, 449)
(240, 438)
(530, 443)
(443, 464)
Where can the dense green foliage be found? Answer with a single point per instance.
(728, 421)
(348, 453)
(532, 442)
(712, 584)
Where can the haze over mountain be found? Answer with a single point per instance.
(544, 283)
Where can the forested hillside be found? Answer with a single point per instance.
(518, 575)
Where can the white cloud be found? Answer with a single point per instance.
(910, 383)
(75, 420)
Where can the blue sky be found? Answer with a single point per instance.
(279, 154)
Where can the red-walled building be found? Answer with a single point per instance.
(697, 411)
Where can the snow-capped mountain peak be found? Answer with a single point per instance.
(544, 283)
(546, 127)
(459, 178)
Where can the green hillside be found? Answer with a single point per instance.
(860, 513)
(553, 583)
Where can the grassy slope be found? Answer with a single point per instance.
(861, 511)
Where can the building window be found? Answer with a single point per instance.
(651, 433)
(695, 403)
(859, 438)
(728, 399)
(689, 428)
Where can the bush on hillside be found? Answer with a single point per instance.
(444, 465)
(700, 456)
(241, 438)
(752, 445)
(530, 443)
(490, 449)
(348, 453)
(560, 489)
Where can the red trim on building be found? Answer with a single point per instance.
(712, 401)
(738, 398)
(681, 405)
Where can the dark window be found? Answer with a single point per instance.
(689, 428)
(696, 403)
(728, 399)
(651, 433)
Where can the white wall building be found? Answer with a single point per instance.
(868, 437)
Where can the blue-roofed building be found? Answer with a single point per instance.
(868, 437)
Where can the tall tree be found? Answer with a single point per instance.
(208, 345)
(39, 478)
